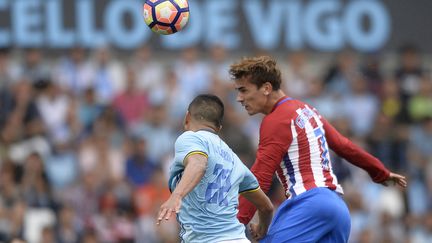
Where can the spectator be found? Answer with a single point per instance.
(67, 230)
(410, 71)
(74, 73)
(139, 166)
(360, 107)
(149, 71)
(297, 75)
(157, 132)
(35, 68)
(192, 73)
(132, 104)
(108, 75)
(372, 73)
(88, 110)
(9, 70)
(35, 184)
(339, 76)
(420, 104)
(54, 108)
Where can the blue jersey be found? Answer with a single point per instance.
(209, 212)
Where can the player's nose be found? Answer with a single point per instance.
(240, 98)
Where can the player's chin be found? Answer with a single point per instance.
(251, 112)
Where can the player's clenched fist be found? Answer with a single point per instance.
(257, 232)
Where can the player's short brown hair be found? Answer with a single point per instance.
(259, 70)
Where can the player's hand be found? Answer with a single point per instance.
(171, 206)
(257, 232)
(394, 179)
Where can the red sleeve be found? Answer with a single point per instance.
(354, 154)
(275, 138)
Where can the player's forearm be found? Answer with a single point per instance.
(264, 206)
(265, 217)
(192, 175)
(360, 158)
(265, 214)
(346, 149)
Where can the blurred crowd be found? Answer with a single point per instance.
(86, 137)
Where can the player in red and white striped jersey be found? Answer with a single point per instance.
(294, 144)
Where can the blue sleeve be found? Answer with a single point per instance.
(249, 183)
(189, 143)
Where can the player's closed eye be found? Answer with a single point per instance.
(242, 90)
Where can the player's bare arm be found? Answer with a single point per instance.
(265, 212)
(195, 167)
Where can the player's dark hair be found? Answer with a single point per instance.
(207, 107)
(259, 70)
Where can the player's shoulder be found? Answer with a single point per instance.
(289, 109)
(190, 136)
(283, 112)
(293, 105)
(187, 135)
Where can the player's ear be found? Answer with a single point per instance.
(219, 128)
(186, 120)
(268, 88)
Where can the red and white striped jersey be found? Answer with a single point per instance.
(294, 144)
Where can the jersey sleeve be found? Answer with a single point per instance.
(189, 143)
(249, 183)
(186, 144)
(275, 137)
(343, 147)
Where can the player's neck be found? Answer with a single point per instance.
(273, 98)
(202, 126)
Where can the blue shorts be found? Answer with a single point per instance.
(318, 215)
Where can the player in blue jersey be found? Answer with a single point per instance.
(206, 178)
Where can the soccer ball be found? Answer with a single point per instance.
(166, 16)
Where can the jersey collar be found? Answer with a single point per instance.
(281, 101)
(207, 130)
